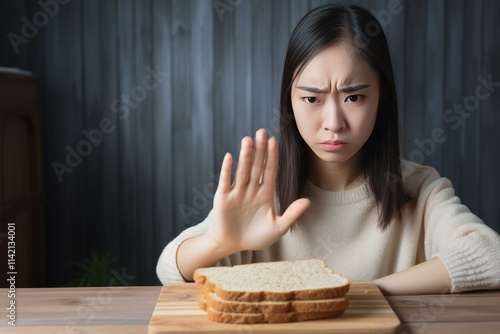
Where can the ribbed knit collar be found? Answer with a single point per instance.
(357, 194)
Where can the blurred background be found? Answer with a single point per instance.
(111, 143)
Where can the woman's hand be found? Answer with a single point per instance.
(244, 214)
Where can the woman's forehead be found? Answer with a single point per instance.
(339, 64)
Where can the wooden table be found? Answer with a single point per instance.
(129, 309)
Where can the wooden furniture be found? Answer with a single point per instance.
(129, 310)
(21, 186)
(177, 311)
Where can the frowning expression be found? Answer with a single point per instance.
(335, 99)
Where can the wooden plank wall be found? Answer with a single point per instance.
(218, 68)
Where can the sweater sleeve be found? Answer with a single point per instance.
(167, 269)
(469, 249)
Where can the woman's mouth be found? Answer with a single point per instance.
(333, 145)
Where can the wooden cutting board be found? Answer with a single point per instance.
(176, 311)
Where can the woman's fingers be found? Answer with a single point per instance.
(225, 173)
(259, 154)
(245, 214)
(242, 173)
(257, 162)
(271, 166)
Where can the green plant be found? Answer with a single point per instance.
(95, 271)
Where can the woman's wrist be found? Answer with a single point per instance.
(198, 252)
(429, 277)
(216, 248)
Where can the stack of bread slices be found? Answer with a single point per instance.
(272, 292)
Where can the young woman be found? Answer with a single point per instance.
(336, 187)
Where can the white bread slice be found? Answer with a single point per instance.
(308, 279)
(218, 304)
(255, 318)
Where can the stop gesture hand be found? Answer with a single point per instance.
(244, 212)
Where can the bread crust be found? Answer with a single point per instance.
(255, 318)
(300, 306)
(256, 296)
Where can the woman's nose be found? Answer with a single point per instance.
(334, 118)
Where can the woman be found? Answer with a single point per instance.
(342, 191)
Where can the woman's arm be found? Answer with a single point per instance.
(198, 252)
(244, 215)
(469, 250)
(429, 277)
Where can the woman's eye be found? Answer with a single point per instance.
(353, 98)
(311, 100)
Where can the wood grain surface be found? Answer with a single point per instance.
(177, 312)
(106, 310)
(124, 310)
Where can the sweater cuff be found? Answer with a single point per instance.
(473, 262)
(167, 270)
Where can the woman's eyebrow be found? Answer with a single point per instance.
(312, 89)
(347, 89)
(353, 88)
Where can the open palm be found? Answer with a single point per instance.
(244, 214)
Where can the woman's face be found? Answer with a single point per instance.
(335, 100)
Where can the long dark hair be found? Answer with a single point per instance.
(321, 28)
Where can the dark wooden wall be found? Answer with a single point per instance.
(153, 174)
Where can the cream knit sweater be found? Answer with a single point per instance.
(341, 228)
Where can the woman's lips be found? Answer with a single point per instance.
(333, 145)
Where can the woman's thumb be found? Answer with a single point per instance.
(292, 213)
